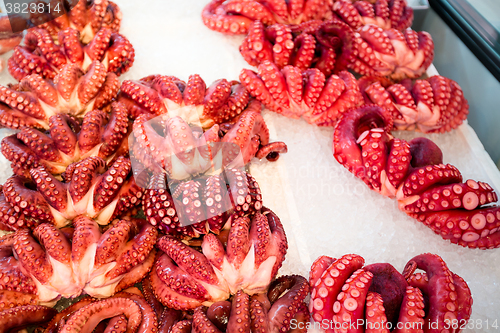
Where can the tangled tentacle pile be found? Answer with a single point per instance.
(345, 294)
(414, 173)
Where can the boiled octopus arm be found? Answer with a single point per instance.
(249, 136)
(383, 13)
(391, 53)
(413, 172)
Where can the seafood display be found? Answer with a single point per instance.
(413, 172)
(132, 202)
(377, 298)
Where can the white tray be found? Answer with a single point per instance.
(324, 208)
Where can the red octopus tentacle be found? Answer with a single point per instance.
(324, 292)
(59, 319)
(91, 82)
(112, 242)
(240, 309)
(441, 291)
(411, 315)
(83, 176)
(70, 42)
(110, 183)
(30, 202)
(349, 307)
(201, 323)
(183, 326)
(10, 299)
(32, 257)
(376, 320)
(25, 315)
(177, 251)
(285, 307)
(108, 91)
(88, 317)
(63, 129)
(40, 144)
(136, 250)
(120, 54)
(18, 154)
(55, 243)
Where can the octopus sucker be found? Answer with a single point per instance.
(413, 172)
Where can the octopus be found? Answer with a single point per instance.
(68, 140)
(386, 14)
(155, 143)
(34, 100)
(279, 310)
(88, 188)
(347, 294)
(196, 103)
(52, 263)
(43, 55)
(436, 104)
(234, 17)
(244, 258)
(327, 46)
(308, 94)
(391, 52)
(125, 311)
(87, 17)
(413, 172)
(200, 205)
